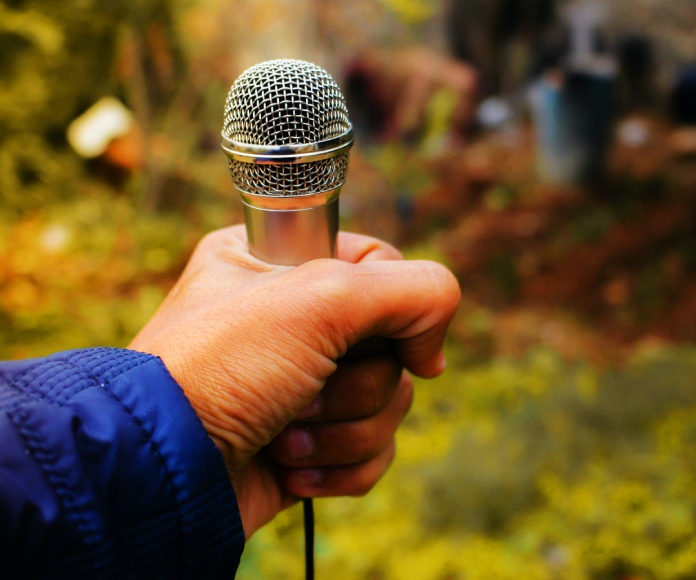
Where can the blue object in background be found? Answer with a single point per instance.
(573, 116)
(683, 98)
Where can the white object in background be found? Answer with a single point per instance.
(494, 113)
(106, 120)
(586, 20)
(634, 133)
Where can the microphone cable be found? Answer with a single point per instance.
(308, 516)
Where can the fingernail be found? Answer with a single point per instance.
(312, 410)
(300, 443)
(309, 477)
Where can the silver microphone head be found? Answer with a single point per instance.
(287, 136)
(286, 130)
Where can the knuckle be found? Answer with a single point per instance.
(389, 252)
(328, 285)
(368, 248)
(369, 475)
(363, 446)
(211, 240)
(208, 239)
(363, 488)
(450, 290)
(444, 283)
(329, 281)
(379, 385)
(372, 389)
(406, 394)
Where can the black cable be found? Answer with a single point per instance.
(308, 511)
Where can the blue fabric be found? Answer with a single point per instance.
(107, 472)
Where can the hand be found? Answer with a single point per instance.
(344, 441)
(256, 347)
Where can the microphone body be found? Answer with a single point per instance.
(291, 233)
(287, 137)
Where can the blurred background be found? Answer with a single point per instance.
(544, 150)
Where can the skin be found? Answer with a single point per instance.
(297, 372)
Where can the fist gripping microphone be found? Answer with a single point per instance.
(287, 137)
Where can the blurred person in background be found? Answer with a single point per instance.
(389, 91)
(498, 37)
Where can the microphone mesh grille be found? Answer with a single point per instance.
(286, 102)
(289, 179)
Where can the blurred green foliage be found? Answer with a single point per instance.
(42, 46)
(412, 11)
(530, 468)
(83, 258)
(87, 271)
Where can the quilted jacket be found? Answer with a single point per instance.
(107, 472)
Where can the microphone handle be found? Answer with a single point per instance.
(291, 230)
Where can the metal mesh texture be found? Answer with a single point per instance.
(287, 179)
(286, 102)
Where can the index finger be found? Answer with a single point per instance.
(356, 248)
(350, 247)
(411, 301)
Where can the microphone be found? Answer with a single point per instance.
(287, 136)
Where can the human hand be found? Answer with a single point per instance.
(257, 348)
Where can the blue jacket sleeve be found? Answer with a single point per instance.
(107, 472)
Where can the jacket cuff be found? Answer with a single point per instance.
(134, 475)
(210, 527)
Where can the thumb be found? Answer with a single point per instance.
(412, 302)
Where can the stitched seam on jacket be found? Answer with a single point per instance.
(102, 370)
(46, 459)
(16, 395)
(23, 383)
(104, 383)
(160, 458)
(220, 531)
(47, 462)
(14, 398)
(21, 378)
(102, 379)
